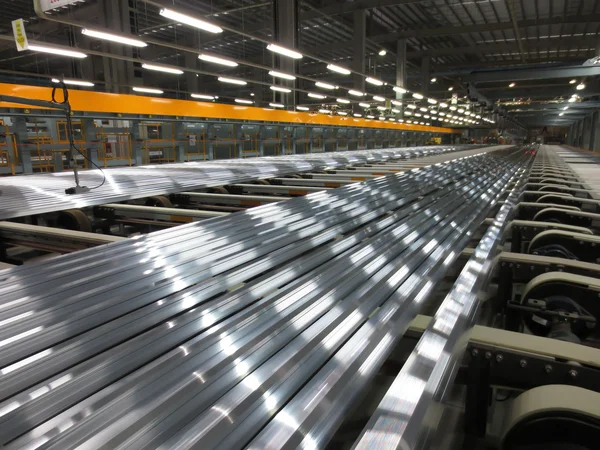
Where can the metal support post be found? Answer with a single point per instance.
(89, 136)
(261, 140)
(360, 39)
(19, 129)
(136, 142)
(425, 72)
(180, 141)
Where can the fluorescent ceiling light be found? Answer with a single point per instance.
(57, 51)
(284, 51)
(364, 105)
(325, 111)
(113, 38)
(377, 98)
(409, 121)
(573, 81)
(162, 69)
(417, 96)
(433, 112)
(432, 101)
(400, 90)
(382, 52)
(285, 76)
(381, 108)
(580, 87)
(512, 85)
(460, 110)
(572, 99)
(411, 106)
(74, 82)
(453, 108)
(342, 113)
(356, 93)
(191, 21)
(374, 81)
(342, 100)
(302, 108)
(442, 114)
(244, 101)
(310, 94)
(396, 111)
(357, 115)
(396, 102)
(565, 108)
(443, 105)
(217, 60)
(277, 105)
(407, 113)
(400, 120)
(433, 80)
(338, 69)
(325, 85)
(450, 88)
(381, 118)
(203, 96)
(280, 89)
(232, 81)
(147, 90)
(423, 109)
(426, 116)
(370, 117)
(561, 114)
(418, 115)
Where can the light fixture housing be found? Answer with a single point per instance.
(147, 90)
(511, 85)
(356, 93)
(56, 51)
(396, 103)
(411, 106)
(243, 101)
(74, 82)
(573, 81)
(417, 96)
(382, 52)
(370, 117)
(284, 51)
(381, 108)
(191, 21)
(364, 105)
(217, 60)
(285, 76)
(203, 96)
(342, 113)
(451, 88)
(276, 105)
(377, 98)
(232, 81)
(319, 96)
(280, 89)
(374, 81)
(303, 108)
(325, 85)
(434, 79)
(580, 87)
(342, 100)
(432, 101)
(399, 90)
(113, 38)
(325, 111)
(338, 69)
(162, 69)
(357, 115)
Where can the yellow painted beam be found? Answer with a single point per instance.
(102, 102)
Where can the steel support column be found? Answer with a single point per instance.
(425, 72)
(286, 34)
(118, 74)
(360, 38)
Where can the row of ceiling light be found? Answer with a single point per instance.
(201, 24)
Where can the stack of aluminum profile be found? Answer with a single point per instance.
(253, 330)
(34, 194)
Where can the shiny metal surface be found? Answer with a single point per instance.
(33, 194)
(410, 411)
(201, 335)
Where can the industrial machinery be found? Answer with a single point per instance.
(404, 298)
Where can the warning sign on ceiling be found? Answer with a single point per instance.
(20, 37)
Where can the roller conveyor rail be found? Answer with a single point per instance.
(203, 334)
(34, 194)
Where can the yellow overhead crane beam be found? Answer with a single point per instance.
(102, 102)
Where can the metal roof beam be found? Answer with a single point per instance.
(533, 74)
(345, 7)
(573, 42)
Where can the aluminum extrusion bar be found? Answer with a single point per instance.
(128, 345)
(407, 413)
(35, 194)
